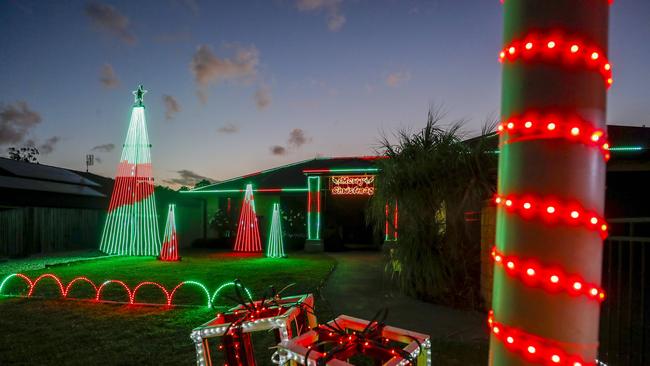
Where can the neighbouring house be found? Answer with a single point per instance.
(323, 201)
(46, 208)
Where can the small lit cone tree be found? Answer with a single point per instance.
(275, 245)
(248, 232)
(169, 251)
(132, 223)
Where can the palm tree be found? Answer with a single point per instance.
(435, 178)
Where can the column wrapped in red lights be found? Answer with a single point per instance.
(169, 251)
(550, 199)
(248, 232)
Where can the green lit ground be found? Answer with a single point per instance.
(57, 332)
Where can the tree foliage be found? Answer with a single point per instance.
(27, 154)
(435, 178)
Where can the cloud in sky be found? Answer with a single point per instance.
(171, 106)
(335, 18)
(278, 150)
(108, 78)
(397, 78)
(297, 138)
(209, 68)
(16, 122)
(49, 145)
(187, 178)
(109, 20)
(104, 148)
(263, 96)
(228, 128)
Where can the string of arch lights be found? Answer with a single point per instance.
(556, 49)
(131, 293)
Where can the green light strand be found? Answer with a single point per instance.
(275, 245)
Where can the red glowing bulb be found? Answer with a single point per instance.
(577, 285)
(574, 48)
(530, 272)
(593, 292)
(511, 265)
(603, 227)
(529, 45)
(510, 340)
(497, 258)
(555, 279)
(607, 67)
(511, 50)
(550, 209)
(508, 203)
(594, 220)
(511, 125)
(528, 124)
(496, 330)
(527, 205)
(497, 200)
(575, 131)
(594, 56)
(575, 214)
(551, 126)
(551, 44)
(531, 349)
(555, 358)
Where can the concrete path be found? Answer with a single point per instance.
(358, 287)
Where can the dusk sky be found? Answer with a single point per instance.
(239, 86)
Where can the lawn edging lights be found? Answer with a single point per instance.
(131, 292)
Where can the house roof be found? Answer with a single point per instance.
(23, 176)
(290, 175)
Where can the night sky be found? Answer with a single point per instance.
(239, 86)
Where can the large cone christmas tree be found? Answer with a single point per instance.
(132, 224)
(275, 245)
(248, 232)
(169, 251)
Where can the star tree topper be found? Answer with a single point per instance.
(139, 96)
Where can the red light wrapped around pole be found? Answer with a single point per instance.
(551, 186)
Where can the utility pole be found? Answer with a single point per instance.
(551, 186)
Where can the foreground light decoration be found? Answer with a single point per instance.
(352, 185)
(569, 52)
(248, 232)
(533, 348)
(169, 251)
(550, 200)
(275, 245)
(131, 293)
(390, 229)
(132, 223)
(536, 127)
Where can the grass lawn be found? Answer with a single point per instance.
(58, 332)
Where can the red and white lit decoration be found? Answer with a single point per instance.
(552, 211)
(235, 326)
(567, 51)
(353, 185)
(248, 232)
(169, 251)
(550, 278)
(533, 348)
(535, 127)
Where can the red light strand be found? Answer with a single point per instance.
(560, 49)
(533, 348)
(131, 294)
(552, 279)
(553, 211)
(534, 127)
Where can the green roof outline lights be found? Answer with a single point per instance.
(275, 243)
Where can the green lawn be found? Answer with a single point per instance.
(56, 332)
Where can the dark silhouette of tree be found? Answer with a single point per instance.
(27, 154)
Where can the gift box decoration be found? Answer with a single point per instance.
(230, 332)
(346, 337)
